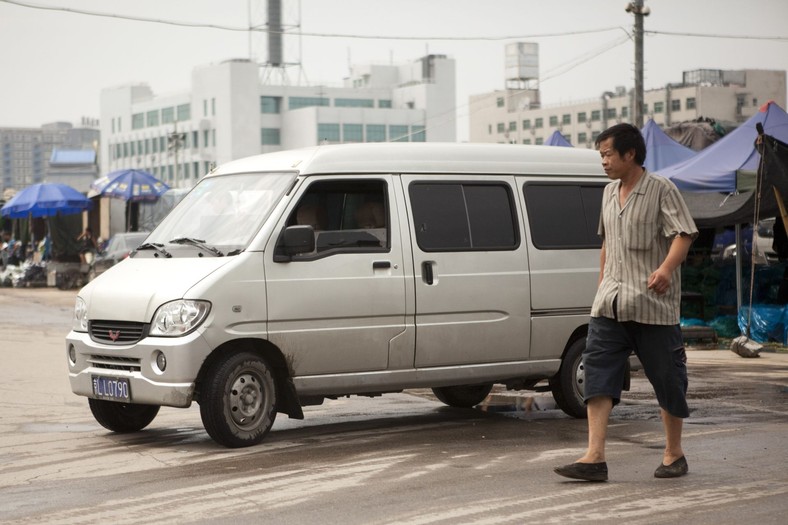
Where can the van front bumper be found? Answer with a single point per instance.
(148, 385)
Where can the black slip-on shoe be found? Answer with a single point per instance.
(584, 471)
(675, 470)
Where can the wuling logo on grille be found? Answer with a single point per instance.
(114, 335)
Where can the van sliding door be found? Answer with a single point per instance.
(472, 282)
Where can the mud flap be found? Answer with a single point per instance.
(288, 403)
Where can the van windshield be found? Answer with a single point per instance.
(221, 215)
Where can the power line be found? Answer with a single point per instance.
(712, 35)
(200, 25)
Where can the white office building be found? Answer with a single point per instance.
(228, 113)
(514, 115)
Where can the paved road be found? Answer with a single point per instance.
(402, 458)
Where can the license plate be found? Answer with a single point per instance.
(112, 388)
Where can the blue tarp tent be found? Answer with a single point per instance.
(714, 168)
(557, 139)
(661, 150)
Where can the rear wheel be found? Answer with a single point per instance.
(238, 400)
(122, 417)
(465, 396)
(568, 384)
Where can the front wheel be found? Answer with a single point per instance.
(465, 396)
(122, 417)
(568, 384)
(238, 400)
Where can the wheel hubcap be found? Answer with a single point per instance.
(246, 400)
(580, 378)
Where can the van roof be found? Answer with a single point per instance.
(425, 157)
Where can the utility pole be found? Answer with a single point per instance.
(636, 8)
(175, 142)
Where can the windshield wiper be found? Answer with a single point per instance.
(154, 246)
(199, 243)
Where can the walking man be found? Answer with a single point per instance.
(647, 231)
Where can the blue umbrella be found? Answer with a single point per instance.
(130, 185)
(45, 200)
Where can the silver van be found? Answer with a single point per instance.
(287, 278)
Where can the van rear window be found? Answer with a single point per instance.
(564, 215)
(463, 216)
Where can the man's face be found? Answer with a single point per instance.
(615, 165)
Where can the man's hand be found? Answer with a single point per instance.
(659, 281)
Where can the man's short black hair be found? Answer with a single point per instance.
(625, 137)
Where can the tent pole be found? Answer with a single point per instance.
(739, 250)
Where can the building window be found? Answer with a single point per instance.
(582, 137)
(354, 103)
(596, 115)
(501, 127)
(152, 118)
(645, 108)
(205, 107)
(539, 123)
(610, 113)
(184, 112)
(594, 135)
(270, 105)
(690, 103)
(553, 120)
(539, 141)
(305, 102)
(581, 117)
(625, 111)
(675, 105)
(205, 136)
(167, 115)
(376, 133)
(270, 137)
(213, 106)
(138, 121)
(566, 119)
(527, 123)
(352, 133)
(513, 126)
(499, 102)
(195, 139)
(417, 134)
(659, 107)
(398, 133)
(526, 141)
(384, 104)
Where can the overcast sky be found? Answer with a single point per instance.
(54, 63)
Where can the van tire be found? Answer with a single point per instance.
(122, 418)
(464, 396)
(567, 384)
(238, 400)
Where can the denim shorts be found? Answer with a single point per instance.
(660, 349)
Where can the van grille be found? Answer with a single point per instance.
(117, 332)
(129, 364)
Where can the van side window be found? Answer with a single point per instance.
(463, 216)
(564, 215)
(347, 216)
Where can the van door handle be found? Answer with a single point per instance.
(426, 272)
(380, 265)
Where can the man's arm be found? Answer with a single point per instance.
(659, 281)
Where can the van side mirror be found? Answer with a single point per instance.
(296, 240)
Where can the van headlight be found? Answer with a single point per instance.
(179, 317)
(80, 321)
